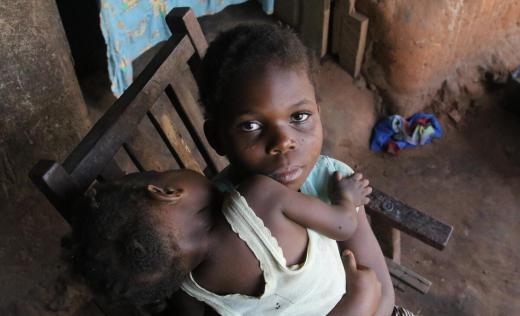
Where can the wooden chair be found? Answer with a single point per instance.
(158, 124)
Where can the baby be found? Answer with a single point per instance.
(258, 250)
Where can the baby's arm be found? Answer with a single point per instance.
(336, 221)
(364, 245)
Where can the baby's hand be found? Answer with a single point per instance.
(353, 189)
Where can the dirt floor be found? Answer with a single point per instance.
(470, 179)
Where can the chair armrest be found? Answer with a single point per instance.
(409, 220)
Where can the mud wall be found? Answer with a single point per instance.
(417, 48)
(42, 115)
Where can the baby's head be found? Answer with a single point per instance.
(136, 239)
(260, 102)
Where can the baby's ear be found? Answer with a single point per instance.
(165, 194)
(211, 132)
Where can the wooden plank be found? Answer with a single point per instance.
(339, 10)
(353, 33)
(124, 162)
(190, 111)
(111, 171)
(184, 85)
(409, 220)
(398, 284)
(182, 20)
(147, 148)
(314, 25)
(56, 184)
(171, 128)
(116, 126)
(190, 82)
(408, 277)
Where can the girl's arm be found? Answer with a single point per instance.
(364, 245)
(336, 221)
(363, 290)
(368, 253)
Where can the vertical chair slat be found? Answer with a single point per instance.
(147, 147)
(183, 20)
(176, 135)
(189, 107)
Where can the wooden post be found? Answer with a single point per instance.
(43, 115)
(389, 239)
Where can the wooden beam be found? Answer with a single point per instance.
(408, 277)
(388, 237)
(182, 20)
(409, 220)
(89, 158)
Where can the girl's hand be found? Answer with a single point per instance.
(353, 189)
(363, 286)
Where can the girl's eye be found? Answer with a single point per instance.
(300, 117)
(249, 126)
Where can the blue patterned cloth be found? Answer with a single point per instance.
(130, 27)
(395, 133)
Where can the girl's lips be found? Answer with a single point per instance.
(287, 175)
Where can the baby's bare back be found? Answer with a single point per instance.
(231, 266)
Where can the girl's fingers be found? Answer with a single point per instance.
(367, 190)
(337, 175)
(365, 182)
(366, 200)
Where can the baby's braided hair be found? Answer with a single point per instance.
(244, 51)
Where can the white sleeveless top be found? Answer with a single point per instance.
(313, 288)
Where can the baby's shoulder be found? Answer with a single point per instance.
(260, 187)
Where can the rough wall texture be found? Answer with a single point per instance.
(420, 47)
(42, 115)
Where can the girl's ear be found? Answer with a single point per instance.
(165, 194)
(212, 134)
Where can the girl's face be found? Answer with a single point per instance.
(272, 127)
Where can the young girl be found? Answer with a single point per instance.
(258, 92)
(141, 236)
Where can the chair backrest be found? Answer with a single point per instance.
(161, 104)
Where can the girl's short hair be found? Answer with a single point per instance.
(245, 51)
(118, 251)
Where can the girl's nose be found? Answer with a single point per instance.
(280, 142)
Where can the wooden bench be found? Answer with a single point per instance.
(158, 124)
